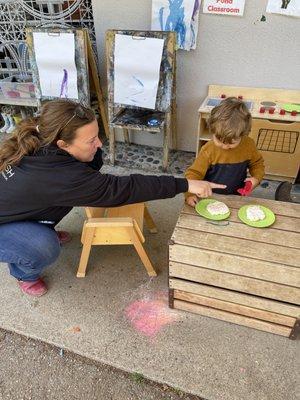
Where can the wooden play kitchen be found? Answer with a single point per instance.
(236, 273)
(275, 125)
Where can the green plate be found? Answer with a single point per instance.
(289, 107)
(268, 221)
(201, 209)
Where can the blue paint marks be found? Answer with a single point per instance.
(64, 85)
(138, 80)
(180, 16)
(175, 20)
(139, 90)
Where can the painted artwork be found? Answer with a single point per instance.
(194, 25)
(180, 16)
(225, 7)
(285, 7)
(55, 59)
(137, 69)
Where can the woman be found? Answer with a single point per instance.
(51, 164)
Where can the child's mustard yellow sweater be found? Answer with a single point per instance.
(228, 167)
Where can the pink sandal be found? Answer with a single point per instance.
(33, 288)
(63, 237)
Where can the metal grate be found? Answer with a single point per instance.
(277, 140)
(15, 15)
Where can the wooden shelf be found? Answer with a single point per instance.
(19, 102)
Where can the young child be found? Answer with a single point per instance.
(230, 154)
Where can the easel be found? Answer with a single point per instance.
(128, 117)
(88, 79)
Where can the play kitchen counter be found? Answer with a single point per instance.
(236, 273)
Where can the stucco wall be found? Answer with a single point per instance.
(237, 51)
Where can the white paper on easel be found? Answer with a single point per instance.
(286, 7)
(137, 66)
(55, 58)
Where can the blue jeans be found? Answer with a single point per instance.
(28, 248)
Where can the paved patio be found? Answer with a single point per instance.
(120, 317)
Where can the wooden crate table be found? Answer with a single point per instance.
(236, 273)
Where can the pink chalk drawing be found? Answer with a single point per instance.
(148, 316)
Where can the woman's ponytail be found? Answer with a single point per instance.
(24, 141)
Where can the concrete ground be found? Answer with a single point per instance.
(63, 375)
(116, 315)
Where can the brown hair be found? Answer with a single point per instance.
(59, 119)
(230, 120)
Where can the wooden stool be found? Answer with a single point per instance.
(119, 225)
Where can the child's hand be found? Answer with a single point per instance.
(192, 201)
(250, 184)
(253, 180)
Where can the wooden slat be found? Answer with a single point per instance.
(236, 246)
(235, 297)
(233, 318)
(109, 223)
(282, 223)
(271, 236)
(235, 282)
(134, 211)
(235, 264)
(235, 308)
(110, 236)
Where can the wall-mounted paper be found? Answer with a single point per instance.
(231, 7)
(286, 7)
(137, 65)
(55, 58)
(194, 24)
(180, 16)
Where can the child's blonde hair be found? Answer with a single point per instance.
(230, 120)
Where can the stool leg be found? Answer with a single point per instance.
(149, 221)
(85, 253)
(141, 252)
